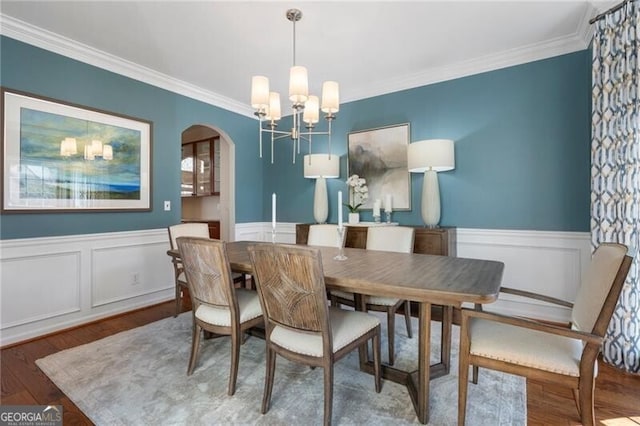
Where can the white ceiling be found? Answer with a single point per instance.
(210, 49)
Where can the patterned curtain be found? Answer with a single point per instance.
(615, 166)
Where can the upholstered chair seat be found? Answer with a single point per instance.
(529, 348)
(248, 303)
(346, 327)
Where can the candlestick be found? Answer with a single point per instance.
(339, 209)
(387, 203)
(273, 211)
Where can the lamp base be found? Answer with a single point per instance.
(430, 199)
(320, 201)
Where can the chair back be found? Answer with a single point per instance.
(390, 238)
(290, 282)
(187, 230)
(600, 288)
(208, 272)
(325, 235)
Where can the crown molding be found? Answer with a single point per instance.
(577, 41)
(56, 43)
(53, 42)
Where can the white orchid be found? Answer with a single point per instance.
(358, 192)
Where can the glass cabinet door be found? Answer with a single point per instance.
(186, 170)
(203, 168)
(216, 166)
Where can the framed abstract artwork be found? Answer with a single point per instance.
(63, 157)
(380, 156)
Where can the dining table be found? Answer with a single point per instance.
(425, 279)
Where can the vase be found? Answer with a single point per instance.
(354, 218)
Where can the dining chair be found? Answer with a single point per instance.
(200, 230)
(384, 238)
(325, 235)
(188, 229)
(563, 355)
(299, 324)
(218, 307)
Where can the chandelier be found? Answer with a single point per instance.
(305, 107)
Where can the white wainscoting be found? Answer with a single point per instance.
(550, 263)
(53, 283)
(261, 231)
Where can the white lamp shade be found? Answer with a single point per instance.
(274, 112)
(311, 110)
(88, 152)
(259, 92)
(68, 147)
(330, 97)
(107, 152)
(96, 147)
(431, 154)
(298, 84)
(321, 165)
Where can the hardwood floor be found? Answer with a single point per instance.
(617, 393)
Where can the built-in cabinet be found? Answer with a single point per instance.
(200, 168)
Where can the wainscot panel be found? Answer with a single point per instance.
(53, 283)
(550, 263)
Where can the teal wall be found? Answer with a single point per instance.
(26, 68)
(522, 145)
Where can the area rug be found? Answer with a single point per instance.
(138, 377)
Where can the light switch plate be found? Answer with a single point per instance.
(167, 206)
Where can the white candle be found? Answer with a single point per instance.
(340, 209)
(376, 208)
(387, 203)
(273, 211)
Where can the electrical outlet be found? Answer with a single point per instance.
(167, 206)
(135, 278)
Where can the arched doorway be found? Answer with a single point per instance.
(215, 207)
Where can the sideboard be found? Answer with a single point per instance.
(437, 241)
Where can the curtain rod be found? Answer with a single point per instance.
(611, 10)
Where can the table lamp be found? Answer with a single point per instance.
(431, 156)
(321, 167)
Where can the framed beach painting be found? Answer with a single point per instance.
(380, 156)
(63, 157)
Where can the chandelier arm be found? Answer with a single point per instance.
(282, 136)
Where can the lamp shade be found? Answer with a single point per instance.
(259, 92)
(431, 154)
(311, 114)
(298, 84)
(321, 165)
(330, 97)
(273, 112)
